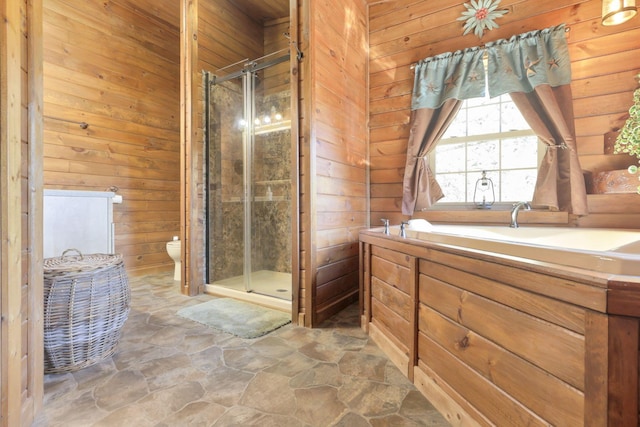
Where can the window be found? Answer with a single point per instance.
(487, 135)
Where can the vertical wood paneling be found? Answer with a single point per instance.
(12, 80)
(21, 369)
(623, 371)
(604, 63)
(115, 66)
(32, 252)
(596, 369)
(190, 150)
(296, 248)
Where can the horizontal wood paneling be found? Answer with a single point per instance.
(389, 304)
(546, 395)
(562, 314)
(394, 327)
(568, 291)
(220, 43)
(264, 10)
(115, 66)
(604, 63)
(277, 78)
(476, 389)
(492, 320)
(337, 209)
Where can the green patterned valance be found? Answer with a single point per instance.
(528, 60)
(458, 75)
(515, 65)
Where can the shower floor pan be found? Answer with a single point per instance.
(269, 288)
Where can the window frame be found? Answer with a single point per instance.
(493, 136)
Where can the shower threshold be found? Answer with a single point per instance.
(269, 288)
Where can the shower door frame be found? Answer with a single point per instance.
(248, 73)
(248, 143)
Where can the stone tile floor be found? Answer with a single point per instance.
(170, 371)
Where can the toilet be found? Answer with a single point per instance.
(173, 249)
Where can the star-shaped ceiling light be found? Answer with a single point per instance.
(480, 15)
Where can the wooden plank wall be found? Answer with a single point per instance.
(604, 63)
(21, 368)
(334, 202)
(32, 251)
(220, 41)
(277, 78)
(115, 66)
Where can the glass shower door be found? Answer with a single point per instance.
(270, 209)
(249, 185)
(225, 184)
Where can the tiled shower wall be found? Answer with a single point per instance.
(271, 214)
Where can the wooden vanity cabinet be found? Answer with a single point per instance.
(391, 304)
(494, 340)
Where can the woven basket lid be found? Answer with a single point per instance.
(79, 263)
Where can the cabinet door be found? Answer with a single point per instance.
(393, 305)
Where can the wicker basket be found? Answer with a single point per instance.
(86, 302)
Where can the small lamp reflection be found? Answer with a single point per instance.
(484, 195)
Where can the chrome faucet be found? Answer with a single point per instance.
(514, 212)
(386, 225)
(403, 232)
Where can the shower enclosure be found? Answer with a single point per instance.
(248, 185)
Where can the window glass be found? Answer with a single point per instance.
(487, 135)
(451, 157)
(483, 155)
(458, 127)
(453, 186)
(483, 119)
(518, 184)
(520, 152)
(511, 118)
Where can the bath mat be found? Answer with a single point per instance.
(239, 318)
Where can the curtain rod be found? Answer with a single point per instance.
(415, 64)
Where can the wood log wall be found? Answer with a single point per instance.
(114, 65)
(604, 63)
(333, 153)
(21, 355)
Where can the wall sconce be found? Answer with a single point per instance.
(616, 12)
(484, 194)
